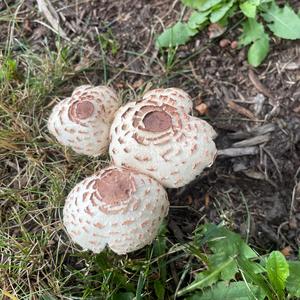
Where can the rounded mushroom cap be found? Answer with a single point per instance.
(117, 207)
(161, 141)
(83, 121)
(175, 97)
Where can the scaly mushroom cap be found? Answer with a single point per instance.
(116, 207)
(82, 121)
(161, 141)
(173, 96)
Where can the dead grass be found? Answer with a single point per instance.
(37, 259)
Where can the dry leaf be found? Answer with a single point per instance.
(48, 10)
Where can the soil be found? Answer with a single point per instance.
(257, 195)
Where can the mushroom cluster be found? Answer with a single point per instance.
(153, 143)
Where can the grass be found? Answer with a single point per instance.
(37, 260)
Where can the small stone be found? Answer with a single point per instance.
(224, 43)
(234, 45)
(287, 251)
(202, 109)
(293, 223)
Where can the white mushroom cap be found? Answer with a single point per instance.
(83, 121)
(161, 141)
(116, 207)
(173, 96)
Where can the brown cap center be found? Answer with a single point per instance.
(157, 121)
(84, 110)
(115, 187)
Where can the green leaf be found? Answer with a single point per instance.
(224, 244)
(159, 290)
(225, 19)
(293, 281)
(284, 22)
(232, 291)
(193, 3)
(252, 31)
(8, 69)
(207, 278)
(218, 14)
(197, 18)
(208, 4)
(231, 244)
(216, 259)
(277, 271)
(123, 296)
(258, 51)
(159, 249)
(179, 34)
(201, 5)
(204, 281)
(248, 9)
(252, 273)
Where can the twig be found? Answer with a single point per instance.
(241, 110)
(259, 86)
(49, 12)
(235, 152)
(261, 130)
(294, 196)
(260, 139)
(275, 163)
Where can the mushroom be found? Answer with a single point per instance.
(162, 141)
(117, 207)
(172, 96)
(83, 120)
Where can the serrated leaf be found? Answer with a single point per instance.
(258, 51)
(197, 18)
(179, 34)
(248, 9)
(227, 273)
(224, 244)
(218, 14)
(283, 22)
(252, 31)
(293, 281)
(232, 291)
(220, 238)
(203, 281)
(277, 271)
(206, 278)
